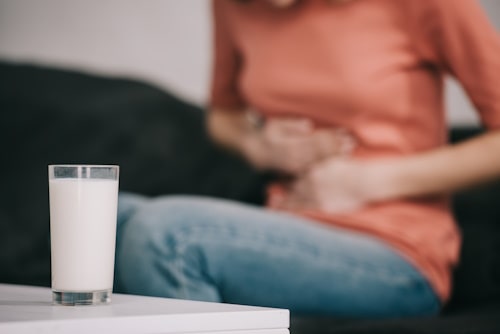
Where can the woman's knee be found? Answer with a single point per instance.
(170, 217)
(146, 239)
(158, 243)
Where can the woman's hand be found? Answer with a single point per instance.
(292, 145)
(338, 185)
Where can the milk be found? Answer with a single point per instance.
(82, 230)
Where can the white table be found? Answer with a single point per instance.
(26, 309)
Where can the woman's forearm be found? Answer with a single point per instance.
(444, 170)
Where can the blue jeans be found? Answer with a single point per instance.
(222, 251)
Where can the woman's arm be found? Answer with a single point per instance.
(287, 145)
(280, 145)
(342, 185)
(442, 171)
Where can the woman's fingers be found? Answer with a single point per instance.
(334, 142)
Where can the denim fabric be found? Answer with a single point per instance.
(222, 251)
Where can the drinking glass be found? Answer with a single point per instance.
(83, 208)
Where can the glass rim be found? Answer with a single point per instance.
(83, 165)
(75, 171)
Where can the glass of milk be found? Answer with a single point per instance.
(83, 208)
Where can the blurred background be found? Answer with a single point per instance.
(164, 42)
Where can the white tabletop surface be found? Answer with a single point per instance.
(26, 309)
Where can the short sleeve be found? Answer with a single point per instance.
(458, 37)
(226, 62)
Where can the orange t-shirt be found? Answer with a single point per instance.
(374, 67)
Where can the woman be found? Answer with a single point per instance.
(350, 230)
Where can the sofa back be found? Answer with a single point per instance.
(477, 210)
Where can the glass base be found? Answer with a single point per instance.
(81, 298)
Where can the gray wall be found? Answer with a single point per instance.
(166, 42)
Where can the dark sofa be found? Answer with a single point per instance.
(55, 116)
